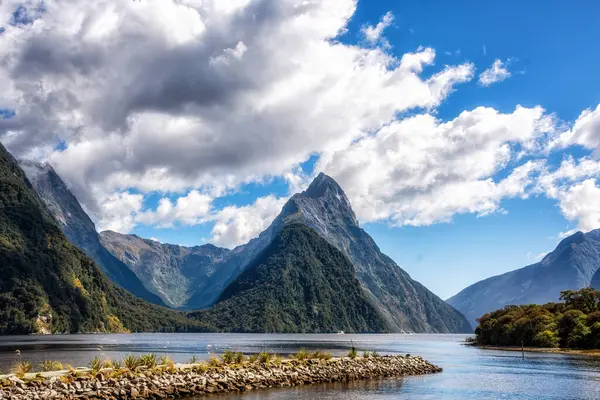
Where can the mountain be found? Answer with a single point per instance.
(79, 228)
(570, 266)
(299, 283)
(404, 303)
(50, 286)
(173, 272)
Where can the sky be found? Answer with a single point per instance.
(466, 137)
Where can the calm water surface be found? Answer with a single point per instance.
(468, 373)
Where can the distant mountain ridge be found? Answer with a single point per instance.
(173, 272)
(79, 228)
(571, 266)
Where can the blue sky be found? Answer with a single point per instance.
(555, 66)
(201, 129)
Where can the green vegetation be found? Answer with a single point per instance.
(50, 286)
(575, 323)
(299, 283)
(352, 353)
(302, 354)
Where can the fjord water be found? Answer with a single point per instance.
(469, 373)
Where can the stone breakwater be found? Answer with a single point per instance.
(193, 379)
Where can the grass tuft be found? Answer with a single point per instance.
(264, 357)
(353, 353)
(131, 362)
(21, 368)
(148, 360)
(302, 355)
(49, 365)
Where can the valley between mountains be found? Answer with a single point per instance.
(313, 270)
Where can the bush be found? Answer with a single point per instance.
(546, 339)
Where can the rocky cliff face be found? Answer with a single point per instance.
(175, 273)
(570, 266)
(79, 228)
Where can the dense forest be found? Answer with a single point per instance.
(574, 323)
(299, 283)
(47, 285)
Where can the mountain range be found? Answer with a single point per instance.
(196, 277)
(49, 285)
(572, 265)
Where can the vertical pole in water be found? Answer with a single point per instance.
(522, 350)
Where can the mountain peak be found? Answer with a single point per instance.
(320, 185)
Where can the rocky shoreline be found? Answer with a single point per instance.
(182, 380)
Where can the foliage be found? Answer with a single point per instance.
(21, 368)
(253, 358)
(214, 361)
(148, 360)
(228, 357)
(193, 360)
(352, 353)
(299, 283)
(239, 358)
(50, 286)
(575, 323)
(97, 364)
(302, 354)
(131, 362)
(49, 365)
(264, 357)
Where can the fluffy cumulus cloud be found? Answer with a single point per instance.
(584, 132)
(191, 99)
(496, 73)
(420, 170)
(237, 225)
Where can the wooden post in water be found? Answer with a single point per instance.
(522, 350)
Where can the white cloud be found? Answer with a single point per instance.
(192, 209)
(585, 132)
(118, 211)
(496, 73)
(216, 94)
(580, 203)
(574, 185)
(373, 34)
(420, 170)
(220, 93)
(237, 225)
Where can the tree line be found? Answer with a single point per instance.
(572, 323)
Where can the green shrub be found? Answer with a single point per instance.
(546, 339)
(264, 357)
(148, 360)
(302, 354)
(131, 362)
